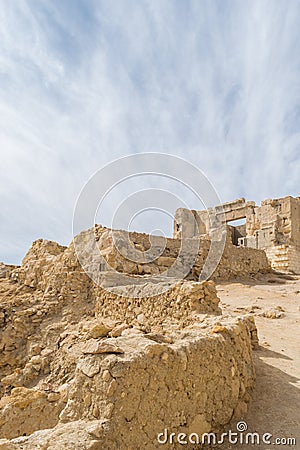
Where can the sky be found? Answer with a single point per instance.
(82, 83)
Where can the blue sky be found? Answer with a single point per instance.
(85, 82)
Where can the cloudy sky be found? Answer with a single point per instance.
(85, 82)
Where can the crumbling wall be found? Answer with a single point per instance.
(295, 222)
(6, 269)
(235, 261)
(89, 363)
(272, 226)
(278, 232)
(195, 380)
(39, 257)
(49, 266)
(271, 222)
(70, 297)
(27, 410)
(177, 306)
(201, 222)
(284, 258)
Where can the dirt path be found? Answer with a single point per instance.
(275, 407)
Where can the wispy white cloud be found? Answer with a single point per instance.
(81, 83)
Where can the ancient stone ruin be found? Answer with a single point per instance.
(274, 227)
(107, 365)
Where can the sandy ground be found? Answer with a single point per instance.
(275, 406)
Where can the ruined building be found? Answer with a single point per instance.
(105, 344)
(82, 367)
(274, 227)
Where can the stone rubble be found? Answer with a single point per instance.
(86, 368)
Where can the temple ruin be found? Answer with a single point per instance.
(274, 227)
(85, 349)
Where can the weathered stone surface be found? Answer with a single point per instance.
(5, 270)
(180, 304)
(236, 261)
(97, 347)
(89, 366)
(274, 226)
(99, 330)
(27, 410)
(118, 330)
(79, 365)
(118, 389)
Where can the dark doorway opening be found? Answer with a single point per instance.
(237, 229)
